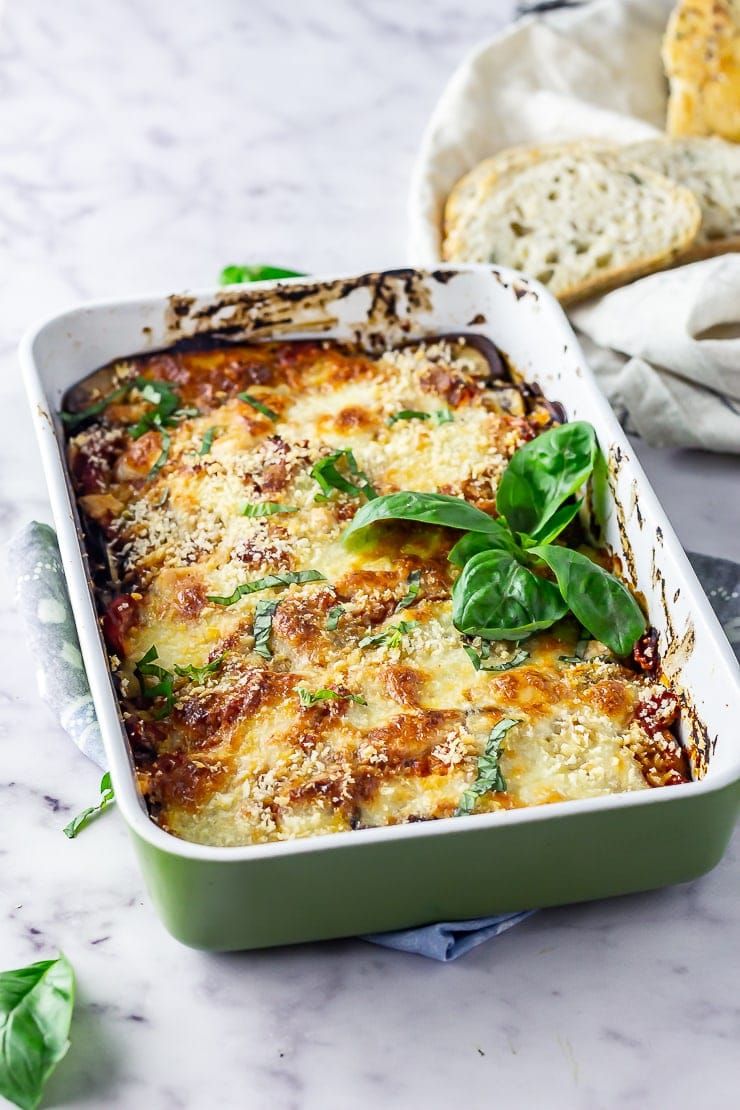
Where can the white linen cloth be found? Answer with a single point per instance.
(666, 349)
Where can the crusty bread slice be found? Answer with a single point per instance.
(579, 223)
(477, 184)
(711, 169)
(701, 55)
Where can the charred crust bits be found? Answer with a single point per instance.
(645, 652)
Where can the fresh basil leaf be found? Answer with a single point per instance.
(263, 614)
(198, 675)
(328, 476)
(482, 662)
(408, 414)
(238, 275)
(333, 617)
(267, 508)
(600, 602)
(36, 1004)
(488, 776)
(269, 413)
(555, 525)
(306, 698)
(82, 819)
(413, 585)
(208, 438)
(74, 419)
(163, 688)
(498, 539)
(166, 412)
(392, 636)
(427, 508)
(442, 416)
(497, 598)
(542, 474)
(270, 582)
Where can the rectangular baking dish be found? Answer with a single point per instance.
(387, 878)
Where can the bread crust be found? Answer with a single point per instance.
(701, 55)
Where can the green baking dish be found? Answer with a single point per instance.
(378, 879)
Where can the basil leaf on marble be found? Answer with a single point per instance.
(488, 776)
(542, 475)
(427, 508)
(82, 819)
(36, 1004)
(263, 614)
(269, 582)
(258, 406)
(239, 275)
(497, 598)
(597, 599)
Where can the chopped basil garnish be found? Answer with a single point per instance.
(482, 662)
(333, 617)
(306, 698)
(263, 614)
(199, 674)
(327, 474)
(36, 1004)
(578, 654)
(163, 455)
(74, 419)
(269, 413)
(392, 636)
(163, 498)
(489, 777)
(270, 582)
(408, 414)
(238, 275)
(208, 439)
(166, 412)
(413, 583)
(163, 687)
(267, 508)
(442, 416)
(82, 819)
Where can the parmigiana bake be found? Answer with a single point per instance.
(276, 682)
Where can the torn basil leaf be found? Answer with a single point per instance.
(488, 775)
(208, 439)
(392, 637)
(198, 675)
(482, 661)
(73, 420)
(239, 275)
(36, 1004)
(82, 819)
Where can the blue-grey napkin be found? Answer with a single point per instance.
(44, 605)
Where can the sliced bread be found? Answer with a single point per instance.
(711, 169)
(701, 55)
(476, 186)
(579, 223)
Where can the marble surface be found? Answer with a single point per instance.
(142, 146)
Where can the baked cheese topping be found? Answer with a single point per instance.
(276, 684)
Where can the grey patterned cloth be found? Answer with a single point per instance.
(44, 605)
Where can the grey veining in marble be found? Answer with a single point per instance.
(142, 146)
